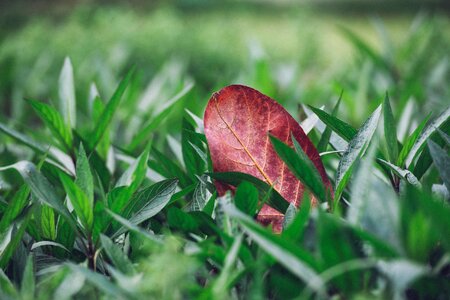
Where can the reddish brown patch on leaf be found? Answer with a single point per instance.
(238, 120)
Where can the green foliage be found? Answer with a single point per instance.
(117, 199)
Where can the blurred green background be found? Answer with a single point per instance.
(295, 51)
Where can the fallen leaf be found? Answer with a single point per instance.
(238, 121)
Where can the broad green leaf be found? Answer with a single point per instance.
(441, 161)
(325, 138)
(47, 222)
(84, 178)
(343, 129)
(223, 220)
(15, 207)
(119, 259)
(274, 199)
(201, 194)
(178, 219)
(356, 148)
(427, 132)
(54, 122)
(40, 187)
(301, 166)
(129, 182)
(246, 198)
(194, 162)
(410, 141)
(107, 114)
(66, 92)
(390, 130)
(27, 287)
(299, 262)
(150, 201)
(80, 202)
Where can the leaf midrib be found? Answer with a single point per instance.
(266, 177)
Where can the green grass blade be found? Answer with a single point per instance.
(47, 222)
(84, 179)
(158, 117)
(355, 149)
(274, 199)
(56, 156)
(390, 130)
(66, 92)
(325, 138)
(299, 262)
(343, 129)
(17, 230)
(246, 198)
(27, 286)
(40, 187)
(80, 202)
(301, 166)
(402, 173)
(119, 259)
(427, 132)
(54, 122)
(108, 113)
(15, 207)
(410, 141)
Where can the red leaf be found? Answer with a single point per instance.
(238, 120)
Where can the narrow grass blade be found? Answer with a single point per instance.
(355, 149)
(28, 284)
(158, 117)
(54, 122)
(80, 202)
(66, 91)
(119, 259)
(84, 179)
(40, 186)
(325, 138)
(293, 258)
(301, 166)
(410, 141)
(390, 130)
(343, 129)
(402, 173)
(15, 207)
(108, 112)
(427, 132)
(274, 199)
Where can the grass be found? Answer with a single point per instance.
(108, 193)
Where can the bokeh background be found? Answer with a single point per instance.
(295, 51)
